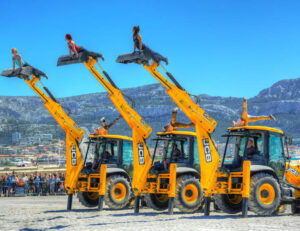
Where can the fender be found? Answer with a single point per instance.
(262, 168)
(111, 171)
(185, 170)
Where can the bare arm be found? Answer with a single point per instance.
(20, 61)
(74, 49)
(140, 42)
(134, 46)
(70, 52)
(13, 64)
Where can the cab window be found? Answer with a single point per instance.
(257, 144)
(276, 159)
(128, 157)
(182, 146)
(127, 152)
(196, 155)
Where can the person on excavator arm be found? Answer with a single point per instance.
(150, 54)
(72, 46)
(245, 118)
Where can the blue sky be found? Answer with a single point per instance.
(225, 47)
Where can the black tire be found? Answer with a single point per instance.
(157, 202)
(258, 194)
(295, 208)
(185, 186)
(88, 199)
(118, 192)
(229, 203)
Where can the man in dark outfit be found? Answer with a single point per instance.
(175, 155)
(105, 155)
(250, 151)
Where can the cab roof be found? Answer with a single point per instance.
(176, 133)
(119, 137)
(262, 128)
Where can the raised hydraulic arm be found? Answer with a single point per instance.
(204, 124)
(74, 160)
(140, 129)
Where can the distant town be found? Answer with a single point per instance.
(42, 149)
(33, 150)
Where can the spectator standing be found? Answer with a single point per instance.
(31, 183)
(37, 181)
(5, 182)
(13, 180)
(1, 185)
(52, 184)
(57, 183)
(24, 178)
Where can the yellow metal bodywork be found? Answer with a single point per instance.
(208, 155)
(226, 186)
(262, 128)
(140, 129)
(204, 124)
(74, 161)
(112, 137)
(157, 184)
(292, 175)
(74, 134)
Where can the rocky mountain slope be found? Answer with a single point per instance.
(28, 115)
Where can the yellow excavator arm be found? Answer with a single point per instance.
(73, 132)
(140, 129)
(204, 125)
(74, 160)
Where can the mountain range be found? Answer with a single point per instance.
(27, 115)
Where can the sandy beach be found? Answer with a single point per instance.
(49, 213)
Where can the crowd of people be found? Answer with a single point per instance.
(32, 184)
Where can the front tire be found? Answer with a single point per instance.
(88, 199)
(118, 192)
(265, 194)
(188, 195)
(157, 202)
(229, 203)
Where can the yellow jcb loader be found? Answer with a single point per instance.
(261, 182)
(157, 184)
(108, 179)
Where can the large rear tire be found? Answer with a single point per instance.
(88, 199)
(157, 202)
(265, 194)
(229, 203)
(118, 192)
(188, 195)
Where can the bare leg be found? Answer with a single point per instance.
(258, 118)
(246, 118)
(176, 124)
(245, 111)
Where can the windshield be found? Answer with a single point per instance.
(101, 151)
(246, 145)
(172, 150)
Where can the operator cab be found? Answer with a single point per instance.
(263, 146)
(175, 147)
(113, 150)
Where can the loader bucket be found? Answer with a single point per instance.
(134, 57)
(83, 56)
(24, 72)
